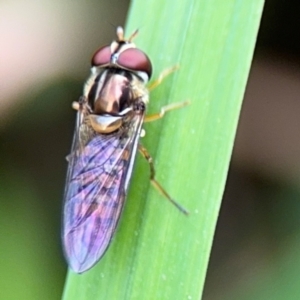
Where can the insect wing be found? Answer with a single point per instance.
(97, 181)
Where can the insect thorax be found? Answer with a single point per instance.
(112, 95)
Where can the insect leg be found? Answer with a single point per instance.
(165, 109)
(161, 77)
(155, 183)
(82, 106)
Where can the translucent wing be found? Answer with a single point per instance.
(97, 180)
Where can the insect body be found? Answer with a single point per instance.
(109, 124)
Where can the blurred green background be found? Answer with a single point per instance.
(45, 57)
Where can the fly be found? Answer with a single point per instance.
(110, 115)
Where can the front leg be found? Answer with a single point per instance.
(161, 77)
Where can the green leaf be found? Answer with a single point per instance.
(157, 252)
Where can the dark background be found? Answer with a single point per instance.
(44, 62)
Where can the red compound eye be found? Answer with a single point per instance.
(102, 56)
(135, 60)
(131, 58)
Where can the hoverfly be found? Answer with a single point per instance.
(110, 115)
